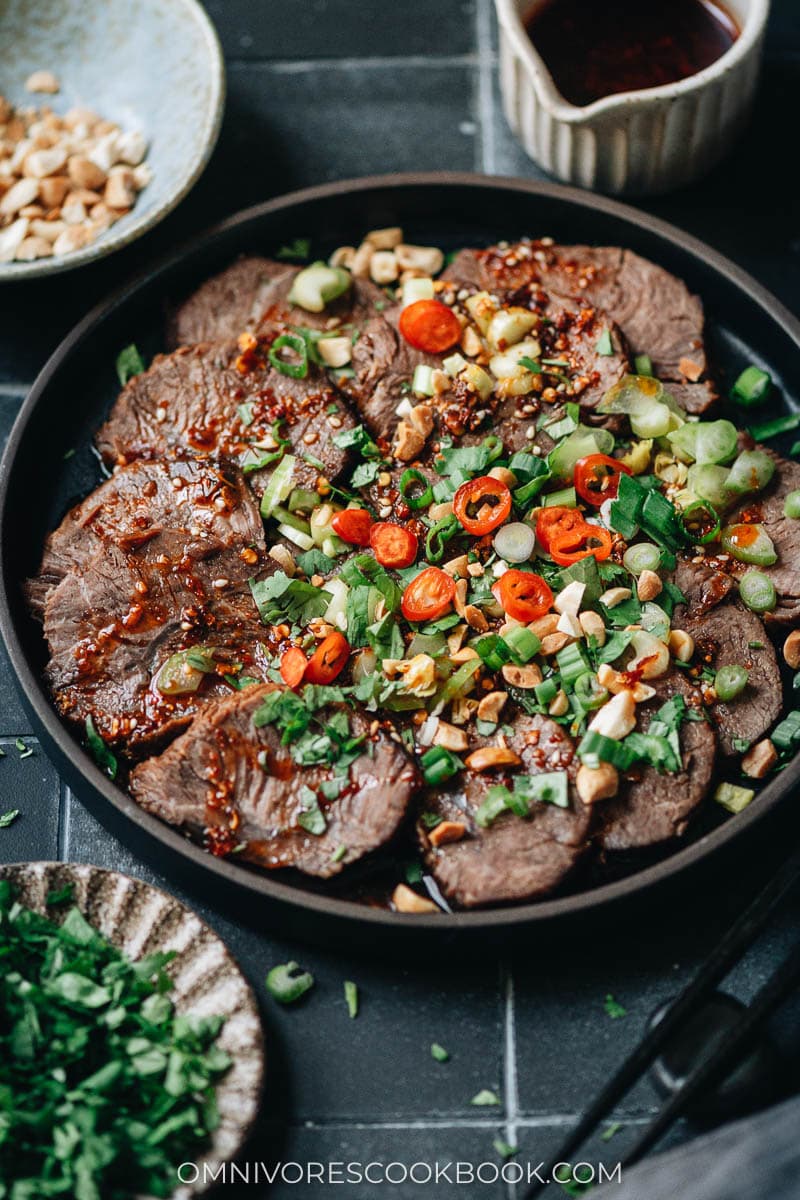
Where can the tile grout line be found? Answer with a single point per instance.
(486, 65)
(291, 66)
(15, 390)
(510, 1081)
(64, 812)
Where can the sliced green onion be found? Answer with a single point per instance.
(546, 691)
(730, 681)
(290, 341)
(493, 446)
(653, 620)
(595, 748)
(643, 556)
(493, 806)
(583, 441)
(700, 522)
(791, 505)
(749, 544)
(515, 542)
(786, 734)
(457, 684)
(706, 441)
(422, 380)
(710, 482)
(752, 386)
(183, 672)
(604, 344)
(651, 421)
(548, 788)
(280, 485)
(318, 285)
(302, 499)
(410, 483)
(571, 663)
(289, 518)
(529, 491)
(643, 364)
(493, 651)
(771, 429)
(733, 797)
(523, 644)
(439, 535)
(589, 692)
(566, 498)
(757, 592)
(439, 765)
(287, 983)
(751, 472)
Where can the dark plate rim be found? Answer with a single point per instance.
(59, 741)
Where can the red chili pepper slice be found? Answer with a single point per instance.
(428, 596)
(523, 595)
(590, 541)
(392, 545)
(329, 659)
(597, 478)
(430, 325)
(482, 504)
(551, 522)
(293, 666)
(353, 525)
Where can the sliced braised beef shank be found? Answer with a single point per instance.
(253, 295)
(650, 807)
(229, 783)
(767, 509)
(515, 858)
(189, 402)
(126, 605)
(731, 635)
(198, 510)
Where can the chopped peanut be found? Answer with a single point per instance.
(522, 677)
(791, 649)
(760, 759)
(593, 626)
(681, 645)
(406, 900)
(492, 756)
(408, 442)
(475, 618)
(615, 596)
(491, 706)
(649, 586)
(449, 737)
(553, 642)
(559, 705)
(446, 832)
(597, 783)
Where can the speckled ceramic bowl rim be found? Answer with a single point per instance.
(131, 227)
(549, 94)
(44, 868)
(61, 746)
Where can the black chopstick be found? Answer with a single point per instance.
(730, 949)
(715, 1067)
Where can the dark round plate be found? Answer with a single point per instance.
(49, 464)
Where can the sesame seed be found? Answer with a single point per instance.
(310, 437)
(220, 583)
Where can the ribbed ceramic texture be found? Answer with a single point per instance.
(153, 65)
(640, 143)
(139, 920)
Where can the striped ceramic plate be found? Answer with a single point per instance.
(140, 919)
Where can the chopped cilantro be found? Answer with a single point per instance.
(485, 1098)
(439, 1053)
(7, 817)
(613, 1009)
(351, 998)
(311, 817)
(505, 1149)
(299, 247)
(610, 1131)
(364, 474)
(99, 750)
(129, 363)
(358, 439)
(314, 562)
(280, 598)
(604, 345)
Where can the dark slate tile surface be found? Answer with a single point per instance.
(319, 91)
(29, 784)
(345, 29)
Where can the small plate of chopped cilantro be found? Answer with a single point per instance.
(130, 1042)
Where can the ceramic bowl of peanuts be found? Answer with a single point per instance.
(105, 124)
